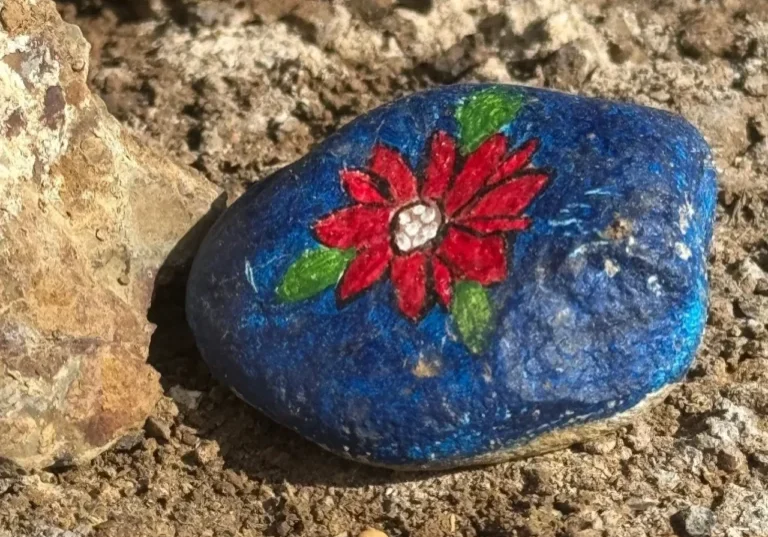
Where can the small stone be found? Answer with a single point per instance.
(283, 528)
(466, 275)
(642, 504)
(600, 446)
(238, 481)
(225, 488)
(758, 131)
(206, 452)
(639, 438)
(756, 85)
(370, 532)
(760, 461)
(157, 429)
(622, 28)
(150, 445)
(188, 438)
(761, 287)
(694, 521)
(754, 329)
(749, 275)
(128, 442)
(538, 480)
(459, 59)
(570, 66)
(748, 308)
(582, 521)
(187, 399)
(731, 459)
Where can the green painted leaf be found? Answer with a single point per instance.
(483, 114)
(313, 272)
(471, 311)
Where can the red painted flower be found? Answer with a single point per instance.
(446, 228)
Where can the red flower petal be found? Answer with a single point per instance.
(354, 227)
(361, 187)
(515, 162)
(441, 277)
(389, 165)
(478, 168)
(364, 270)
(482, 259)
(509, 198)
(409, 276)
(485, 226)
(442, 158)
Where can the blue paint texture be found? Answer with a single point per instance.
(605, 301)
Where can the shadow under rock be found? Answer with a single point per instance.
(248, 441)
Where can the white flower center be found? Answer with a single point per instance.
(416, 225)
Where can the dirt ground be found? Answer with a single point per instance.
(239, 88)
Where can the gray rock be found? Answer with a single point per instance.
(187, 399)
(694, 521)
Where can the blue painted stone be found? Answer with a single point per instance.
(602, 302)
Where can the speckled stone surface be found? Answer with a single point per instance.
(463, 273)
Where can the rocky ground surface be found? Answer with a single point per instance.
(238, 88)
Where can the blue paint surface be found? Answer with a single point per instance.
(605, 301)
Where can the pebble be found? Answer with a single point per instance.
(189, 438)
(639, 439)
(760, 461)
(694, 521)
(128, 442)
(155, 428)
(206, 452)
(600, 446)
(731, 459)
(187, 399)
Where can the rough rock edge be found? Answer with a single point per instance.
(87, 218)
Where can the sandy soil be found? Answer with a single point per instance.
(238, 88)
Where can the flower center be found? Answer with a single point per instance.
(416, 225)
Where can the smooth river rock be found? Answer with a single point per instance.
(466, 275)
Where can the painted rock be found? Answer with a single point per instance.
(469, 274)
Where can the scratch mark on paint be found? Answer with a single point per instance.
(250, 277)
(569, 222)
(598, 192)
(585, 247)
